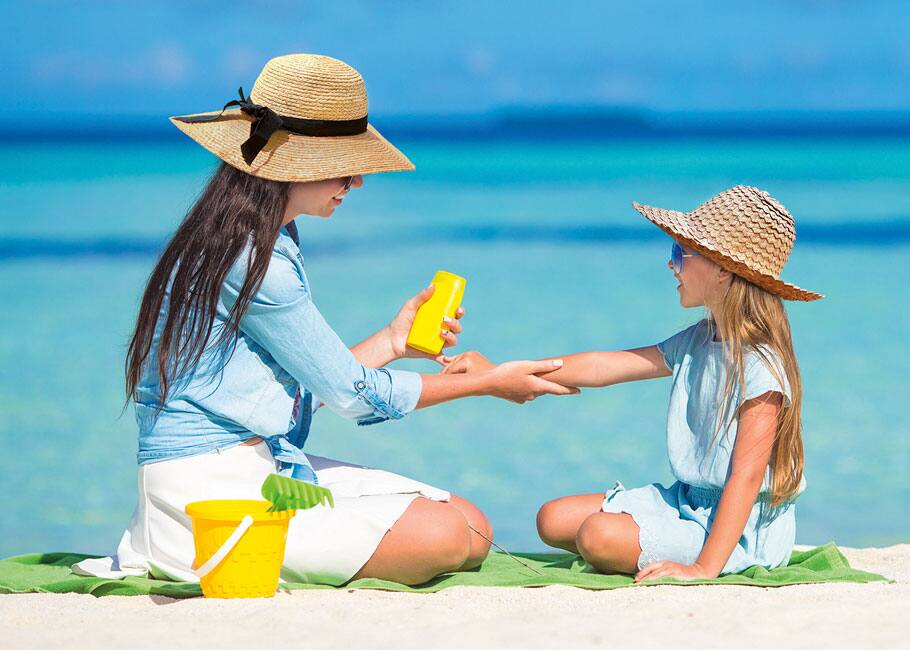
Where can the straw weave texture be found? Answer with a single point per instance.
(306, 86)
(744, 230)
(311, 86)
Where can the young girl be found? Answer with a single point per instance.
(733, 426)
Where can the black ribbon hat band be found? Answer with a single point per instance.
(267, 121)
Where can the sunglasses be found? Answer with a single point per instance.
(677, 257)
(348, 181)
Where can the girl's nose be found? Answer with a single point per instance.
(670, 264)
(358, 181)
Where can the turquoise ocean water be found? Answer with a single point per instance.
(557, 261)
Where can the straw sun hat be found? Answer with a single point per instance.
(305, 120)
(744, 230)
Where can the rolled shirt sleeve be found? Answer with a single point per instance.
(283, 319)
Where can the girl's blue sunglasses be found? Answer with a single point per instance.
(677, 256)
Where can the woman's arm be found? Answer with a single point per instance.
(585, 369)
(375, 351)
(754, 439)
(390, 343)
(516, 381)
(283, 319)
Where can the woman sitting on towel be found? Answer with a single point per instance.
(230, 357)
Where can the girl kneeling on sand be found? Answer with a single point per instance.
(231, 358)
(733, 426)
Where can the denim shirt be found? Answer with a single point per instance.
(285, 361)
(699, 456)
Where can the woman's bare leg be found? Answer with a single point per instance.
(477, 521)
(559, 520)
(609, 542)
(430, 538)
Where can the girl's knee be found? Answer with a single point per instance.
(550, 525)
(594, 537)
(609, 541)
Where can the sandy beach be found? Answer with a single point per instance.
(827, 615)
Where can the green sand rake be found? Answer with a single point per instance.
(287, 493)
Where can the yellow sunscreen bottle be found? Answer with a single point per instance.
(426, 332)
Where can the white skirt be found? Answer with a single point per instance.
(325, 545)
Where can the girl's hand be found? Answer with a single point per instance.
(517, 381)
(673, 570)
(470, 361)
(400, 326)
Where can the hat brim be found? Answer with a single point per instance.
(291, 157)
(680, 227)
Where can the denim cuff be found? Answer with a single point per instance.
(402, 387)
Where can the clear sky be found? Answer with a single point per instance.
(464, 56)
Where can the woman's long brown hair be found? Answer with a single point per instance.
(234, 208)
(751, 317)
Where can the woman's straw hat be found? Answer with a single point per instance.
(744, 230)
(305, 120)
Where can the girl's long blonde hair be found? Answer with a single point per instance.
(751, 317)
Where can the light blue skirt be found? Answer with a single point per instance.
(674, 523)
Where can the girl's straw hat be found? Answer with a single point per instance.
(305, 120)
(743, 230)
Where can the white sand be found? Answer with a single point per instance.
(808, 616)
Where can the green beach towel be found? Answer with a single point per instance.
(50, 573)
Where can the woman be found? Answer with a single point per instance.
(230, 357)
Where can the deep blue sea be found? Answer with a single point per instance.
(557, 261)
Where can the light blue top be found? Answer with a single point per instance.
(285, 361)
(699, 456)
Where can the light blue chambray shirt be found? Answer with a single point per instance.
(285, 361)
(699, 456)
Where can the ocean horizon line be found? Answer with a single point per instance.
(552, 123)
(854, 233)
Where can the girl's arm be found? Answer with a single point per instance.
(585, 369)
(751, 453)
(516, 381)
(597, 369)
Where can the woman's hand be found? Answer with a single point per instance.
(517, 381)
(400, 326)
(674, 570)
(470, 361)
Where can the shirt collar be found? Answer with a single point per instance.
(291, 229)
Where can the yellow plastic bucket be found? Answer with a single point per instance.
(239, 547)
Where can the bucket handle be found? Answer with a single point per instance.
(226, 548)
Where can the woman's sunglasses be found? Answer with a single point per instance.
(348, 181)
(677, 256)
